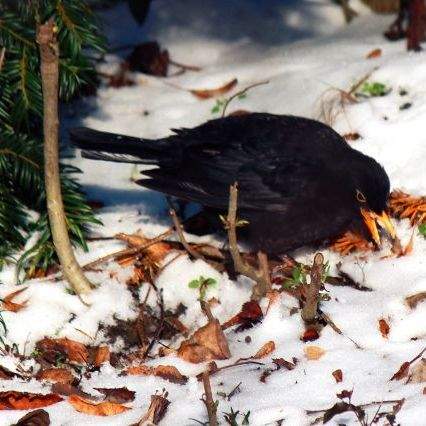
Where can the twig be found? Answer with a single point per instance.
(2, 55)
(206, 310)
(310, 308)
(241, 92)
(129, 251)
(49, 66)
(208, 400)
(185, 66)
(179, 231)
(261, 277)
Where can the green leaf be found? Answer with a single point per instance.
(195, 283)
(422, 229)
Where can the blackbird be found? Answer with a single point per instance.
(299, 181)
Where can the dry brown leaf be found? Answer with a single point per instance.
(274, 297)
(167, 372)
(400, 251)
(352, 136)
(350, 242)
(413, 300)
(96, 409)
(310, 334)
(418, 373)
(402, 372)
(56, 375)
(384, 328)
(376, 53)
(406, 206)
(74, 351)
(157, 251)
(250, 313)
(9, 305)
(14, 400)
(210, 93)
(102, 355)
(314, 352)
(206, 344)
(35, 418)
(156, 411)
(117, 395)
(265, 350)
(338, 375)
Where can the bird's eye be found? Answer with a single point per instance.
(360, 196)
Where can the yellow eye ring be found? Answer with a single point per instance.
(360, 196)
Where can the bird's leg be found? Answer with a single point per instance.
(261, 276)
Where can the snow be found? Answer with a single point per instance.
(303, 48)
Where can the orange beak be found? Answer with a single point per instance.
(372, 219)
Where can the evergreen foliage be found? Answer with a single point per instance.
(21, 112)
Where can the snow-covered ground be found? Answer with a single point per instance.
(304, 50)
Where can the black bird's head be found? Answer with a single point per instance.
(372, 188)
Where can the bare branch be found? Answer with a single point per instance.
(261, 277)
(241, 92)
(208, 400)
(49, 56)
(310, 308)
(179, 231)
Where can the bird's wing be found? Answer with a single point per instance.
(264, 184)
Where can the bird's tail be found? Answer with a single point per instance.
(113, 147)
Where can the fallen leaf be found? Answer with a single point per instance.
(167, 372)
(345, 394)
(400, 251)
(74, 351)
(265, 350)
(282, 363)
(66, 389)
(210, 93)
(206, 344)
(9, 305)
(34, 418)
(343, 407)
(415, 299)
(14, 400)
(405, 366)
(310, 335)
(338, 375)
(384, 328)
(314, 352)
(96, 409)
(418, 373)
(352, 136)
(102, 356)
(149, 58)
(156, 411)
(56, 375)
(349, 242)
(406, 206)
(250, 314)
(375, 53)
(117, 395)
(402, 372)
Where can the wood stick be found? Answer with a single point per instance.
(261, 277)
(208, 400)
(49, 56)
(310, 308)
